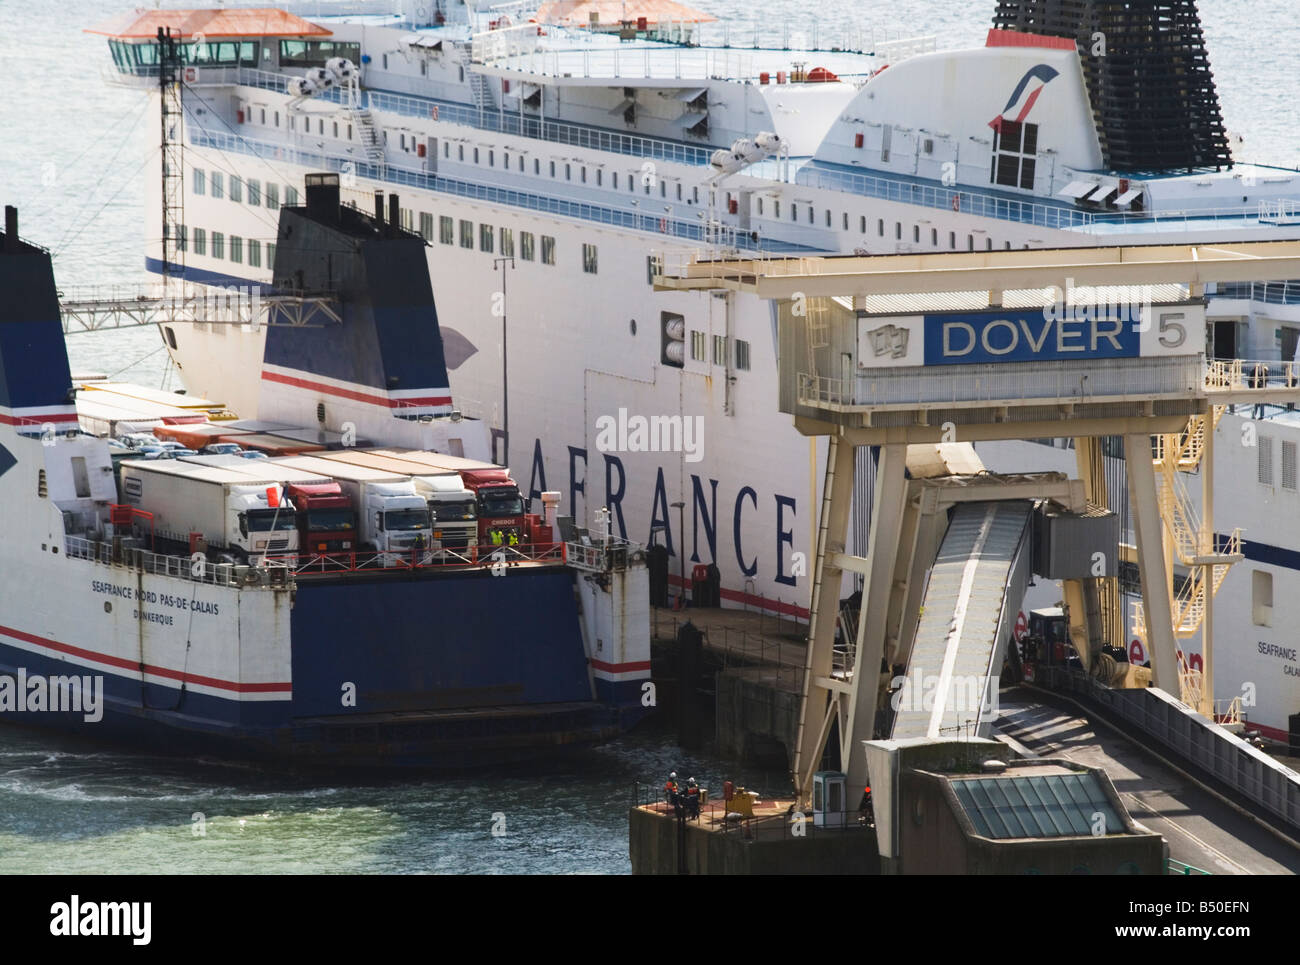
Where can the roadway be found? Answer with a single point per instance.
(1202, 830)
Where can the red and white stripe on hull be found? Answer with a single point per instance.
(97, 662)
(617, 672)
(405, 402)
(34, 417)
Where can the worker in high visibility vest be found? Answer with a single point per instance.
(495, 536)
(514, 538)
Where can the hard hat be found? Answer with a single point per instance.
(690, 781)
(673, 775)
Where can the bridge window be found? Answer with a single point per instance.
(548, 250)
(291, 196)
(236, 188)
(1015, 150)
(200, 241)
(486, 236)
(270, 254)
(719, 350)
(527, 246)
(466, 234)
(254, 253)
(742, 355)
(236, 248)
(314, 53)
(508, 242)
(446, 230)
(254, 192)
(1261, 597)
(272, 197)
(217, 189)
(426, 226)
(218, 245)
(200, 180)
(589, 259)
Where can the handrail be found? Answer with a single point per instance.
(414, 105)
(600, 214)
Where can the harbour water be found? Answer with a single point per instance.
(72, 157)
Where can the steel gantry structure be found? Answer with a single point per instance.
(862, 346)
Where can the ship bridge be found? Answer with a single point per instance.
(927, 354)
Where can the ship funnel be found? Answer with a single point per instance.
(379, 206)
(394, 212)
(1148, 76)
(323, 197)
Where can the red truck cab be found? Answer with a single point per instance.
(327, 522)
(500, 505)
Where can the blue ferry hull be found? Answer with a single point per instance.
(388, 672)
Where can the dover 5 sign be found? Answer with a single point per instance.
(995, 336)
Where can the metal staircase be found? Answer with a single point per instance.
(974, 592)
(1193, 544)
(372, 142)
(478, 84)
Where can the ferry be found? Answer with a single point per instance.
(554, 158)
(160, 603)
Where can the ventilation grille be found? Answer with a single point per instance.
(1152, 90)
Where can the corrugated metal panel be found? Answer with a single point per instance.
(1038, 806)
(1023, 298)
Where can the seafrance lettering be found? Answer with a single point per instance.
(709, 511)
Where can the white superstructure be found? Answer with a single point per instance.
(551, 169)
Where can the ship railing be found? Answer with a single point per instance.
(1271, 293)
(495, 558)
(617, 63)
(1002, 208)
(602, 554)
(159, 564)
(1233, 374)
(596, 213)
(502, 122)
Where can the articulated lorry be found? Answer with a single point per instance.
(327, 520)
(452, 506)
(233, 514)
(392, 516)
(500, 505)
